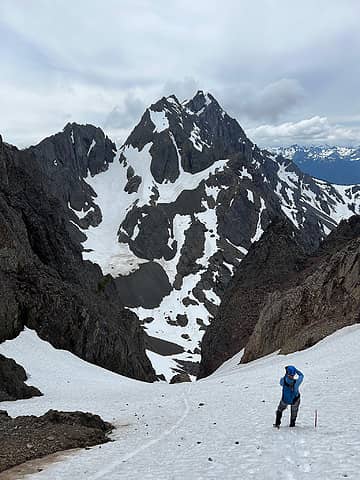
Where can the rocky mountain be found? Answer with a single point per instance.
(161, 223)
(282, 299)
(332, 163)
(173, 213)
(44, 282)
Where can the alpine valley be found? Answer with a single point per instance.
(123, 255)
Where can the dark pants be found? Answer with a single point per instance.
(294, 410)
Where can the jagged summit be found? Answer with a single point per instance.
(200, 101)
(187, 136)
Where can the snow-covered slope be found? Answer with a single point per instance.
(183, 200)
(332, 163)
(220, 427)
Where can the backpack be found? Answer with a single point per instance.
(289, 396)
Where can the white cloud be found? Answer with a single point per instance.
(182, 89)
(315, 130)
(78, 60)
(126, 114)
(263, 103)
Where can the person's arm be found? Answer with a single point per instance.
(282, 381)
(300, 379)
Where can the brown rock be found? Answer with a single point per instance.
(29, 437)
(327, 298)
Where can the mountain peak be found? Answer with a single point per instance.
(201, 101)
(196, 105)
(165, 103)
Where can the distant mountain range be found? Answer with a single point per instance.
(335, 164)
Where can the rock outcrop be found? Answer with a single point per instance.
(12, 381)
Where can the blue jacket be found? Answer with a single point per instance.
(291, 386)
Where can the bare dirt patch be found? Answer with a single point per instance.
(29, 437)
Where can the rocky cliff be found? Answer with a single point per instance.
(284, 298)
(44, 283)
(326, 298)
(271, 262)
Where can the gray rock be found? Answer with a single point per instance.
(180, 378)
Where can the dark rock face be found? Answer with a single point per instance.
(326, 298)
(162, 347)
(270, 263)
(29, 437)
(145, 287)
(45, 284)
(282, 298)
(180, 378)
(164, 164)
(12, 382)
(192, 249)
(67, 157)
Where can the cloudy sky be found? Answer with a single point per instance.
(288, 71)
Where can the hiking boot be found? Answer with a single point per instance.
(292, 423)
(278, 419)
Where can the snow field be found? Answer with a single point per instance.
(159, 120)
(219, 427)
(113, 257)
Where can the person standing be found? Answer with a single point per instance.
(290, 395)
